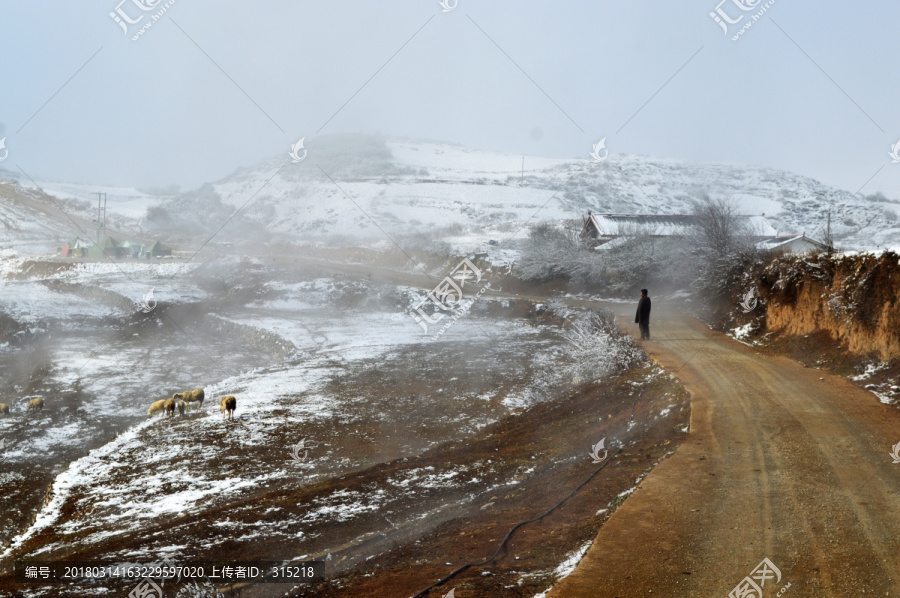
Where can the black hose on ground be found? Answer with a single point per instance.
(509, 534)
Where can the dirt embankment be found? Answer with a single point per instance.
(840, 313)
(855, 298)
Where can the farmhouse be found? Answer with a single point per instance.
(606, 228)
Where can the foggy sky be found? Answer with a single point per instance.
(213, 86)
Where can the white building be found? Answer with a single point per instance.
(610, 226)
(791, 244)
(609, 229)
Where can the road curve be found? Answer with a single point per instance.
(782, 462)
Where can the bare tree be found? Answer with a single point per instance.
(722, 242)
(717, 227)
(625, 262)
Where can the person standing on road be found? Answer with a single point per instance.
(642, 317)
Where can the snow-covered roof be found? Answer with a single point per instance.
(793, 242)
(665, 225)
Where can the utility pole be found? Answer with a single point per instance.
(828, 240)
(101, 216)
(523, 170)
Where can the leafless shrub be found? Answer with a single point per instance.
(558, 308)
(722, 244)
(594, 348)
(639, 257)
(708, 256)
(597, 348)
(548, 253)
(422, 245)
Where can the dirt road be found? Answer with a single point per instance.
(783, 462)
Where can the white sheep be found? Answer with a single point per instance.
(157, 406)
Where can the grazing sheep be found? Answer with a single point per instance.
(4, 408)
(227, 405)
(181, 404)
(191, 396)
(170, 407)
(35, 404)
(157, 406)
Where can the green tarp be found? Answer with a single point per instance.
(159, 249)
(107, 247)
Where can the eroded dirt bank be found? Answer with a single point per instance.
(839, 313)
(855, 298)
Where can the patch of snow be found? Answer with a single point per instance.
(742, 332)
(566, 567)
(871, 369)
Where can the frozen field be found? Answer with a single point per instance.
(332, 376)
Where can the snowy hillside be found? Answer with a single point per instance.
(469, 197)
(35, 221)
(371, 188)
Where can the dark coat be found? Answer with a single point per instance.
(643, 311)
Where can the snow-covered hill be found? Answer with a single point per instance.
(371, 188)
(376, 188)
(36, 220)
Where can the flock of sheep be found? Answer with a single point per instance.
(34, 404)
(183, 401)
